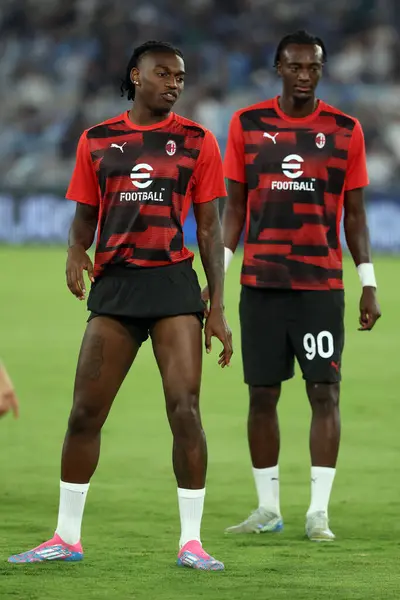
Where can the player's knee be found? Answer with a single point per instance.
(183, 409)
(324, 397)
(85, 419)
(264, 399)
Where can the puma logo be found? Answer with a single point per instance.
(335, 365)
(119, 147)
(271, 137)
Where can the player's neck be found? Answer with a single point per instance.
(297, 110)
(143, 116)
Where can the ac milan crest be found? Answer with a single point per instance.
(170, 147)
(320, 140)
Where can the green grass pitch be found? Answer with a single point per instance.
(131, 526)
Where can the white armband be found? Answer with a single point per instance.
(366, 274)
(227, 258)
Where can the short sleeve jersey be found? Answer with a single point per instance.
(296, 172)
(144, 179)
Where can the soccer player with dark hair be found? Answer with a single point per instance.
(293, 164)
(135, 178)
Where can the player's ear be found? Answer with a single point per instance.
(278, 68)
(135, 76)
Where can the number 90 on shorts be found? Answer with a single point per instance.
(282, 327)
(321, 345)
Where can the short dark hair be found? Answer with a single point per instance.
(150, 46)
(300, 37)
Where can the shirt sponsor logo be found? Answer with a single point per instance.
(140, 176)
(292, 168)
(295, 186)
(141, 197)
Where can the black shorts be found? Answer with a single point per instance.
(278, 326)
(139, 297)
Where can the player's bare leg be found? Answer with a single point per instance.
(264, 443)
(263, 426)
(106, 355)
(325, 424)
(324, 449)
(177, 343)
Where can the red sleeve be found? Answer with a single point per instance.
(208, 174)
(356, 173)
(234, 162)
(83, 186)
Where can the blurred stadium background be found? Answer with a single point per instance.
(60, 69)
(62, 63)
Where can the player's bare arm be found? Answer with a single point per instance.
(211, 247)
(233, 220)
(8, 397)
(234, 215)
(81, 236)
(357, 238)
(209, 237)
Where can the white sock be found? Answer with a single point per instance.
(191, 503)
(70, 512)
(267, 484)
(321, 487)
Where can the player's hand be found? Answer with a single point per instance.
(8, 397)
(370, 310)
(216, 326)
(77, 262)
(205, 296)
